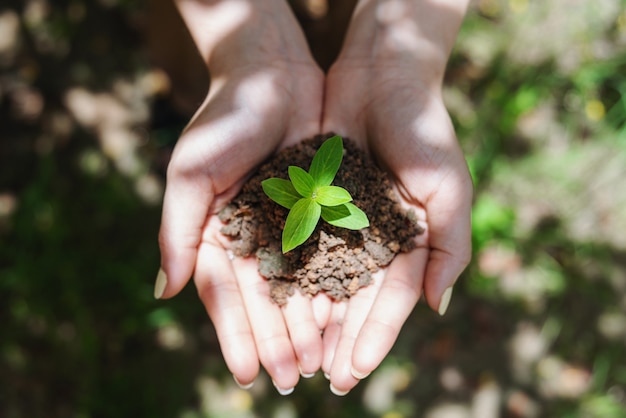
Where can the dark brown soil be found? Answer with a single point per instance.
(333, 260)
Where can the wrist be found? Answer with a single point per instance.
(411, 34)
(245, 33)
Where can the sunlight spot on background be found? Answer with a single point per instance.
(521, 405)
(487, 399)
(460, 105)
(35, 12)
(612, 325)
(451, 379)
(150, 189)
(557, 379)
(120, 144)
(481, 49)
(541, 127)
(621, 22)
(155, 82)
(518, 6)
(171, 336)
(8, 204)
(27, 103)
(526, 348)
(393, 414)
(533, 284)
(595, 111)
(93, 162)
(498, 260)
(285, 409)
(383, 385)
(217, 399)
(83, 106)
(490, 8)
(115, 117)
(9, 34)
(316, 8)
(574, 36)
(618, 393)
(43, 30)
(449, 410)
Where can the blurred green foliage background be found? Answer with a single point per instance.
(90, 108)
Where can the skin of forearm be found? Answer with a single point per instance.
(422, 32)
(228, 33)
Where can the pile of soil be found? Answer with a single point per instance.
(333, 260)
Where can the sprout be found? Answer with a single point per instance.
(311, 195)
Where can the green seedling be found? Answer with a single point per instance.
(311, 195)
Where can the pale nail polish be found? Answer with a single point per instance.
(358, 375)
(305, 375)
(161, 283)
(327, 376)
(445, 301)
(337, 391)
(242, 386)
(283, 392)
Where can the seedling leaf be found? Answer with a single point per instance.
(300, 223)
(281, 191)
(326, 161)
(331, 196)
(345, 216)
(302, 181)
(310, 195)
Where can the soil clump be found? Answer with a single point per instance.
(333, 260)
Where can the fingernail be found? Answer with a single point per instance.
(242, 386)
(327, 376)
(305, 375)
(337, 391)
(283, 392)
(159, 286)
(358, 375)
(445, 301)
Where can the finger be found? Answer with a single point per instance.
(398, 295)
(304, 333)
(268, 326)
(341, 378)
(185, 208)
(449, 223)
(219, 292)
(322, 308)
(332, 333)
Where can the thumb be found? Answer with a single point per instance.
(188, 197)
(449, 222)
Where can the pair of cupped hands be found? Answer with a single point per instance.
(268, 93)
